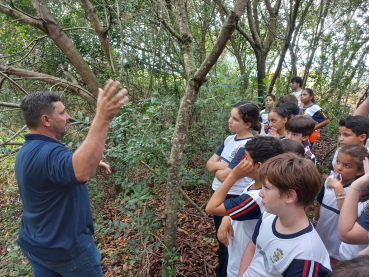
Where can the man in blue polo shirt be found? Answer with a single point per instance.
(56, 226)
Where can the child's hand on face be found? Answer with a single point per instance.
(273, 132)
(333, 181)
(242, 169)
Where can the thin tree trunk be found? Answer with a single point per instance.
(195, 80)
(291, 28)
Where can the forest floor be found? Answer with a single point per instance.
(196, 239)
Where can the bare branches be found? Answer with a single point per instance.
(12, 152)
(14, 136)
(27, 74)
(170, 29)
(9, 105)
(13, 82)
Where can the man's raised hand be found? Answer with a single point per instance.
(109, 103)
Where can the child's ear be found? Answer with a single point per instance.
(258, 165)
(360, 172)
(291, 196)
(305, 138)
(285, 120)
(362, 137)
(248, 125)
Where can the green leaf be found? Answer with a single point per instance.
(79, 115)
(87, 120)
(265, 80)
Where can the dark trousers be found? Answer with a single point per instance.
(221, 269)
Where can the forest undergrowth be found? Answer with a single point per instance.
(129, 228)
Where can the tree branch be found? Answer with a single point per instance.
(13, 136)
(9, 105)
(13, 151)
(20, 17)
(14, 82)
(170, 29)
(8, 110)
(27, 74)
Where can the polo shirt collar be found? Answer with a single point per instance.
(40, 137)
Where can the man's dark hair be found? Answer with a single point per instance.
(291, 107)
(357, 124)
(298, 80)
(304, 125)
(36, 104)
(270, 95)
(263, 148)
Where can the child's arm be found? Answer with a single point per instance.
(222, 174)
(349, 230)
(338, 190)
(247, 258)
(225, 228)
(216, 202)
(214, 164)
(363, 109)
(322, 124)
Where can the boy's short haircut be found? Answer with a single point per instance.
(298, 80)
(291, 107)
(358, 124)
(300, 124)
(294, 146)
(290, 172)
(358, 267)
(290, 98)
(271, 95)
(263, 148)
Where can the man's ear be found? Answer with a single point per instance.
(45, 120)
(305, 138)
(362, 137)
(291, 196)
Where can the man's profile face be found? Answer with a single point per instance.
(295, 86)
(58, 120)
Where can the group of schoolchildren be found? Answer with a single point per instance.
(265, 184)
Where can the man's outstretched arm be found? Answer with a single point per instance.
(87, 157)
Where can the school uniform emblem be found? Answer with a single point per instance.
(278, 255)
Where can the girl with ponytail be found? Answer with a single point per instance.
(244, 121)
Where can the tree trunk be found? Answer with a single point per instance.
(260, 66)
(195, 80)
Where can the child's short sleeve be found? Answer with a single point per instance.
(256, 231)
(243, 207)
(237, 158)
(302, 268)
(220, 149)
(320, 116)
(363, 220)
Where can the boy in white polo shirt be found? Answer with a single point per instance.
(284, 242)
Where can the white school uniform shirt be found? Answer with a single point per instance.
(245, 212)
(327, 226)
(232, 152)
(350, 251)
(264, 116)
(300, 254)
(298, 96)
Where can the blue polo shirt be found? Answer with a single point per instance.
(56, 224)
